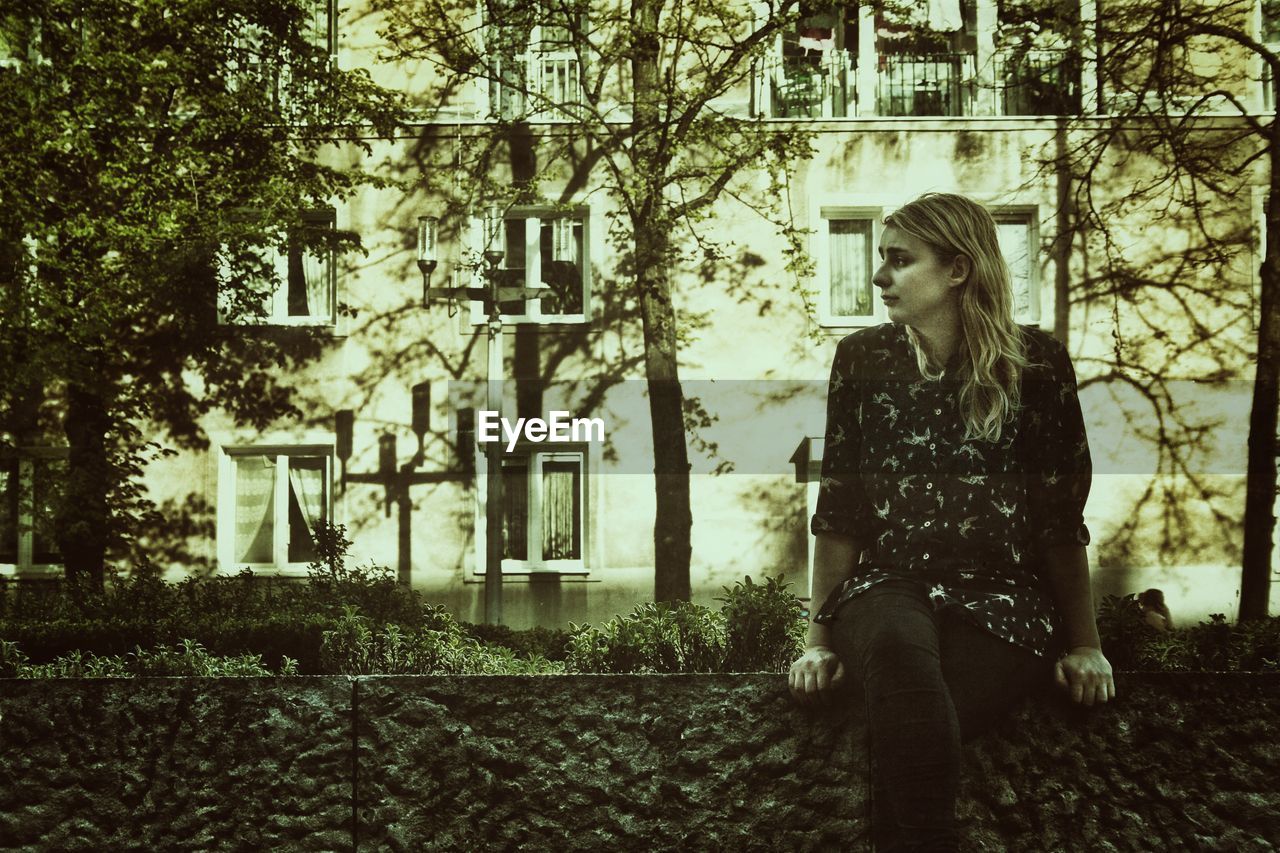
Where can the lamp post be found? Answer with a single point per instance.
(491, 296)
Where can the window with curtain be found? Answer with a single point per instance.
(846, 265)
(31, 483)
(308, 278)
(295, 281)
(1016, 233)
(542, 511)
(277, 500)
(546, 250)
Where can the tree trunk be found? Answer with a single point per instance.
(83, 515)
(650, 160)
(1260, 493)
(673, 522)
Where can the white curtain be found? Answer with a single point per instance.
(943, 15)
(306, 482)
(255, 508)
(1014, 238)
(850, 268)
(316, 275)
(560, 511)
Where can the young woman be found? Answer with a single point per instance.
(949, 532)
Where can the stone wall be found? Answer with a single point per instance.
(1185, 762)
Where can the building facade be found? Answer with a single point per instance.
(980, 98)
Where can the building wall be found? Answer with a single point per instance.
(757, 357)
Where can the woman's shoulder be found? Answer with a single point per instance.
(871, 338)
(1045, 353)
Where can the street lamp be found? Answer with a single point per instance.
(491, 296)
(427, 258)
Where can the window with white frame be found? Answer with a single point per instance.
(848, 257)
(846, 261)
(548, 251)
(533, 57)
(1269, 35)
(543, 511)
(300, 287)
(31, 483)
(270, 501)
(258, 67)
(1018, 234)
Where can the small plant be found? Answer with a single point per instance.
(652, 638)
(187, 659)
(356, 646)
(764, 626)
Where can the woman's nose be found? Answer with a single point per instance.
(879, 279)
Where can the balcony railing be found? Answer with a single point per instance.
(938, 84)
(1038, 83)
(799, 89)
(534, 86)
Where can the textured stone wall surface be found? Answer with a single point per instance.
(666, 762)
(717, 762)
(176, 764)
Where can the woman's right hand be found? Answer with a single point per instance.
(815, 675)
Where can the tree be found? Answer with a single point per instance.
(1182, 149)
(158, 157)
(635, 92)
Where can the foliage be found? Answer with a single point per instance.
(1213, 646)
(765, 627)
(758, 628)
(550, 643)
(158, 155)
(356, 646)
(1157, 227)
(680, 637)
(187, 659)
(646, 124)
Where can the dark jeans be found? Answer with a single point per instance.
(930, 679)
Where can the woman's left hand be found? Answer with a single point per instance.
(1086, 674)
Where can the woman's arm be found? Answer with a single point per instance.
(819, 669)
(1084, 671)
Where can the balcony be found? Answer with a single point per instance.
(534, 87)
(811, 89)
(1037, 83)
(935, 84)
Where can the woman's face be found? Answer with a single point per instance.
(917, 287)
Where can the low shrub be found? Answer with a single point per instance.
(759, 628)
(550, 643)
(357, 646)
(764, 626)
(1212, 646)
(187, 659)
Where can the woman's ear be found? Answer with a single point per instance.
(960, 268)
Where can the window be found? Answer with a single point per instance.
(19, 41)
(261, 66)
(1036, 68)
(1019, 243)
(813, 74)
(543, 495)
(534, 58)
(30, 487)
(269, 503)
(846, 262)
(301, 292)
(848, 256)
(1270, 38)
(548, 251)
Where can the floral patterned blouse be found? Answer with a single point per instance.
(965, 517)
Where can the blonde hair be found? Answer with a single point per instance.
(992, 352)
